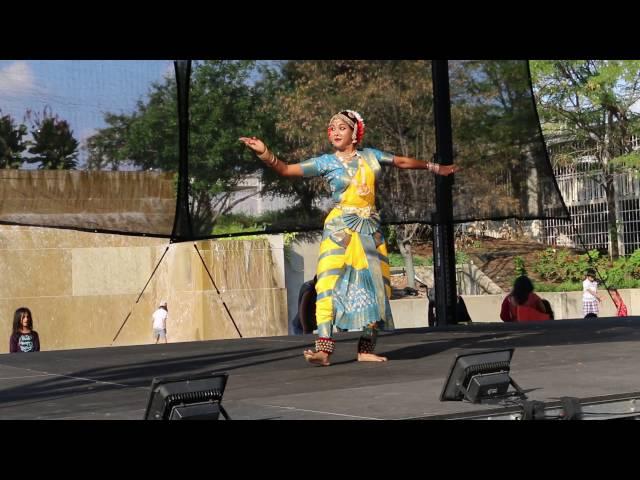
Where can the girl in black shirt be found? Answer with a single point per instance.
(24, 338)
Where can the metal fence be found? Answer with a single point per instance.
(587, 203)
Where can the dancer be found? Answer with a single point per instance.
(353, 287)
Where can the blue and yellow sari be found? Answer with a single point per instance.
(353, 272)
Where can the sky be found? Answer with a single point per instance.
(79, 91)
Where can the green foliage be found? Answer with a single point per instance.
(586, 107)
(54, 146)
(518, 263)
(289, 239)
(576, 95)
(557, 265)
(223, 107)
(629, 160)
(390, 235)
(547, 267)
(396, 260)
(632, 265)
(558, 287)
(563, 271)
(11, 143)
(242, 222)
(461, 257)
(237, 223)
(107, 150)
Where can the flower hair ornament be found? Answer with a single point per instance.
(355, 122)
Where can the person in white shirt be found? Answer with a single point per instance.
(160, 322)
(590, 298)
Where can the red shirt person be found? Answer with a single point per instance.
(522, 305)
(619, 303)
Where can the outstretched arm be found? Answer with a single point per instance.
(412, 163)
(269, 158)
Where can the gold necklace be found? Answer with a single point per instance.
(346, 158)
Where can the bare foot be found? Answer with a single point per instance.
(317, 358)
(370, 357)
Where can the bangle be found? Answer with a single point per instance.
(268, 157)
(433, 167)
(271, 160)
(264, 155)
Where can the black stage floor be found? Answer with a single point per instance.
(268, 378)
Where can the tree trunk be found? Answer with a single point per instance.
(610, 190)
(404, 245)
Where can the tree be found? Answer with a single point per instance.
(396, 99)
(53, 144)
(590, 102)
(223, 107)
(11, 143)
(108, 149)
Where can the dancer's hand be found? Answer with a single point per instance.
(254, 144)
(446, 170)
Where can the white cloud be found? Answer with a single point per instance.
(84, 135)
(17, 79)
(635, 108)
(169, 71)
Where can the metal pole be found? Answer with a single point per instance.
(444, 258)
(182, 228)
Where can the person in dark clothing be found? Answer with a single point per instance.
(23, 338)
(547, 308)
(305, 320)
(461, 316)
(431, 308)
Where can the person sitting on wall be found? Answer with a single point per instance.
(305, 320)
(461, 315)
(522, 305)
(24, 338)
(548, 309)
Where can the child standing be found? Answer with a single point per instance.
(590, 298)
(24, 338)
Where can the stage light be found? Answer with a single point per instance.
(480, 377)
(197, 397)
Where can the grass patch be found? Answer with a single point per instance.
(396, 260)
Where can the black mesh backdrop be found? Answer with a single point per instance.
(288, 104)
(98, 145)
(497, 139)
(230, 190)
(90, 145)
